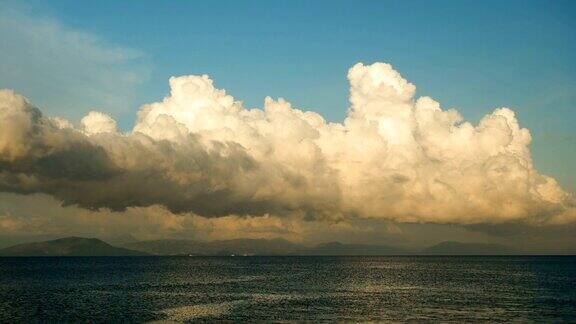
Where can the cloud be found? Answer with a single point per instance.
(395, 158)
(97, 122)
(50, 61)
(25, 217)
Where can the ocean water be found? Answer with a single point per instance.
(181, 289)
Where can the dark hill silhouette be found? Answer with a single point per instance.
(68, 246)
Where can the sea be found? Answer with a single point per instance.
(279, 289)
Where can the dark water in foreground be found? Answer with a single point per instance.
(541, 289)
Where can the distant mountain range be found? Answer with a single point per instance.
(258, 247)
(459, 248)
(77, 246)
(69, 246)
(337, 248)
(225, 247)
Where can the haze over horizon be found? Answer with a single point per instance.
(398, 167)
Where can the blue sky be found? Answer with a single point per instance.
(471, 55)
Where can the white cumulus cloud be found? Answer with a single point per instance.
(395, 157)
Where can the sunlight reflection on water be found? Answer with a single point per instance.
(288, 288)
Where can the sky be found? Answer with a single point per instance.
(69, 58)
